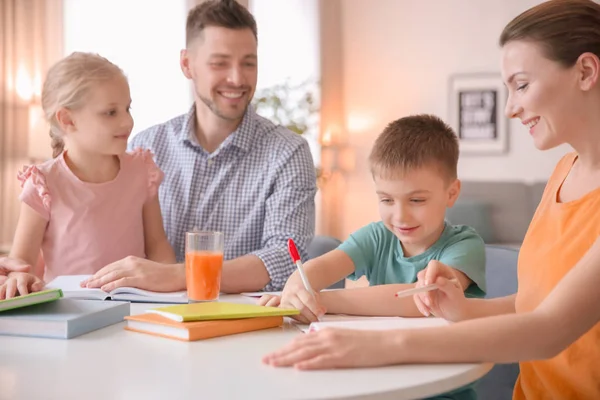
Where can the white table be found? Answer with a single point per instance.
(114, 364)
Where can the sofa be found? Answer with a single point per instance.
(499, 211)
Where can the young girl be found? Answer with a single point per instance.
(93, 203)
(551, 67)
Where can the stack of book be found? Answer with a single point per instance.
(198, 321)
(47, 314)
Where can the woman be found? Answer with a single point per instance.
(551, 67)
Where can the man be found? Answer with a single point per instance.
(226, 168)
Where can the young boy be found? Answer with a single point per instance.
(413, 163)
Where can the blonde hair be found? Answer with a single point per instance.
(67, 85)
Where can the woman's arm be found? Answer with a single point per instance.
(449, 301)
(570, 310)
(156, 243)
(480, 308)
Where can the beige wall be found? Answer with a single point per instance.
(397, 57)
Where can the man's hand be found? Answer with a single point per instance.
(19, 284)
(139, 273)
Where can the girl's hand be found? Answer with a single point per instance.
(138, 273)
(448, 301)
(19, 284)
(8, 265)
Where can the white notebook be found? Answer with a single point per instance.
(372, 323)
(260, 294)
(70, 286)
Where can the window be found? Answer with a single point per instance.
(144, 39)
(288, 49)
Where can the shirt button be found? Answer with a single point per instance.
(210, 162)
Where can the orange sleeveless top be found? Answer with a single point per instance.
(558, 236)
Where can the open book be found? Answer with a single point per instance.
(70, 286)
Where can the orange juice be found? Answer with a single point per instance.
(203, 274)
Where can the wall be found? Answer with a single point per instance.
(397, 57)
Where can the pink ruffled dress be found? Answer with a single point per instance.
(90, 225)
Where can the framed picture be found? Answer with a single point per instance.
(476, 107)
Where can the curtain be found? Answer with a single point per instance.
(30, 41)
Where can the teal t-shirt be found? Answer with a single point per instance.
(377, 254)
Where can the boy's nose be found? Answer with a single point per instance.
(399, 215)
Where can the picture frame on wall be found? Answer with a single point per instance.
(476, 113)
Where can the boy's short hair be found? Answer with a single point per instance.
(223, 13)
(412, 142)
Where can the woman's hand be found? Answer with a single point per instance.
(448, 301)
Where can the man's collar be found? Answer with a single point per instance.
(242, 137)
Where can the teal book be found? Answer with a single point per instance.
(30, 299)
(62, 319)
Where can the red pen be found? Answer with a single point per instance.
(296, 258)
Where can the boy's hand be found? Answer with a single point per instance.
(448, 301)
(20, 283)
(269, 300)
(308, 303)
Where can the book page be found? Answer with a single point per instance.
(124, 292)
(71, 288)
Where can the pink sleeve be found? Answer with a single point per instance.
(35, 192)
(155, 175)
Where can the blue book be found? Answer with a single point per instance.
(63, 318)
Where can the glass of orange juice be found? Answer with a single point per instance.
(203, 265)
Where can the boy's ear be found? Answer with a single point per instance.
(65, 120)
(453, 192)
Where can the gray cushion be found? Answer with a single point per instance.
(475, 214)
(500, 271)
(501, 276)
(510, 207)
(324, 244)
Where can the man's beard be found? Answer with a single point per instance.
(213, 107)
